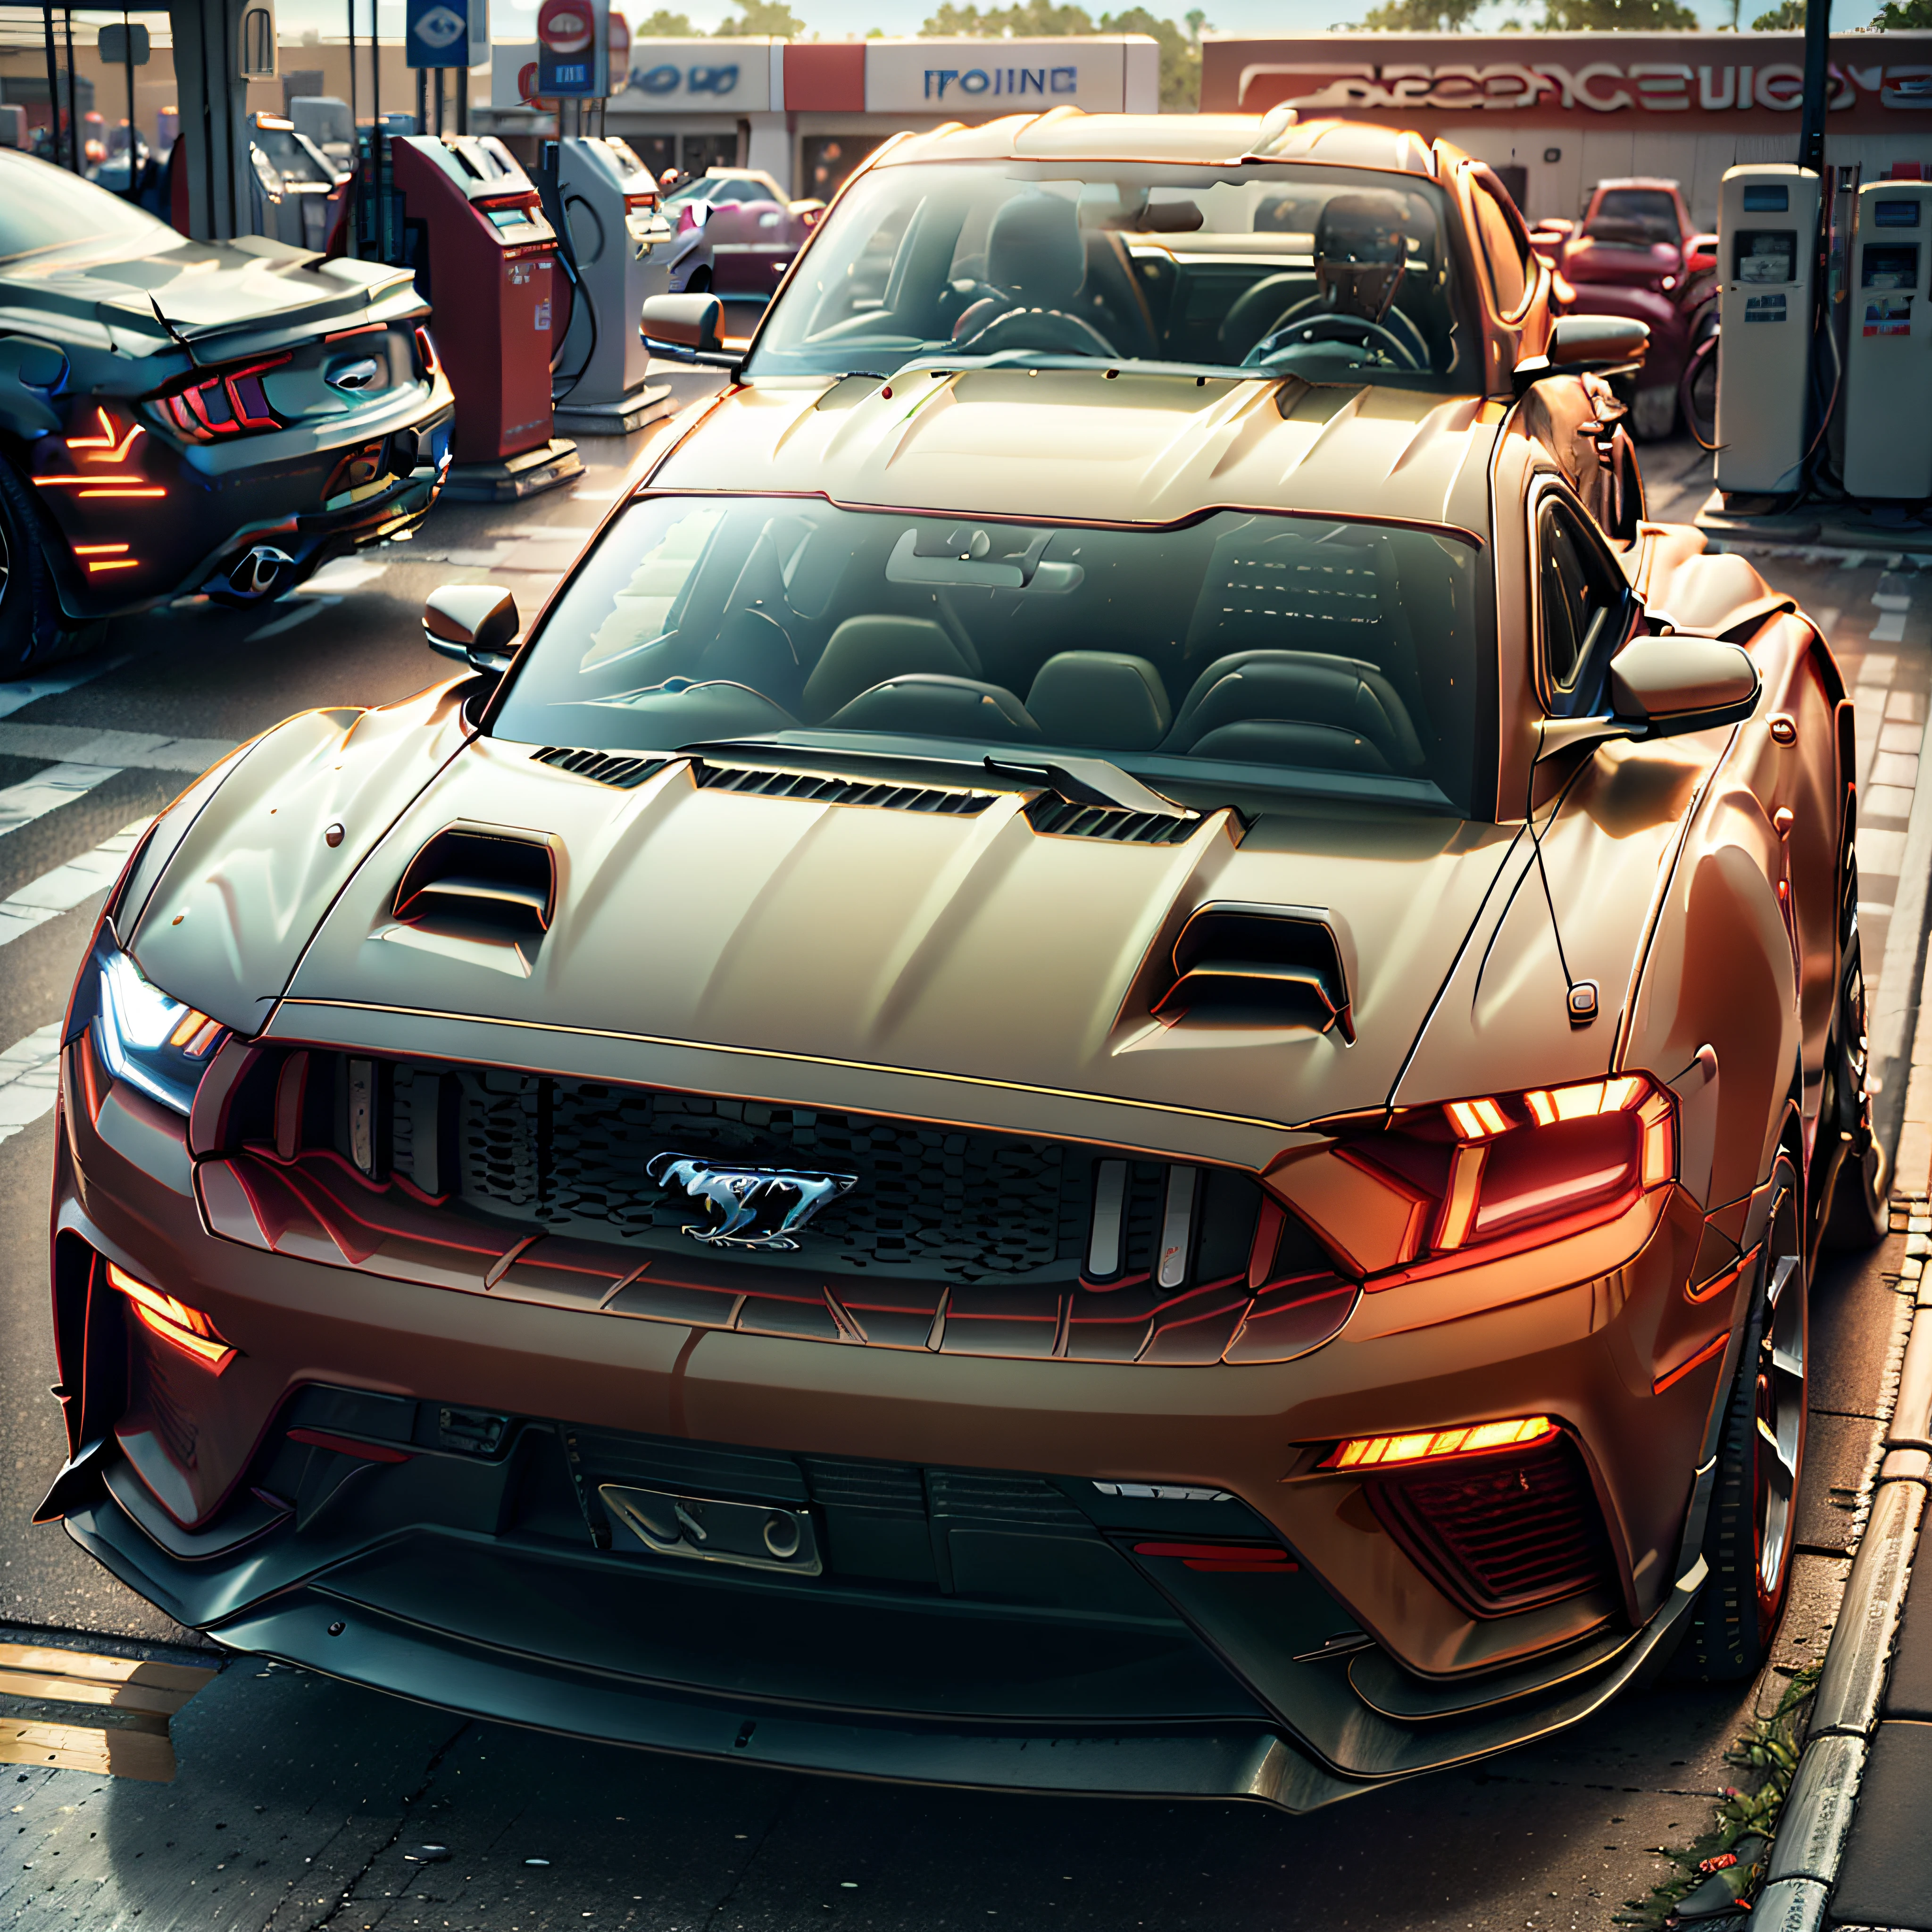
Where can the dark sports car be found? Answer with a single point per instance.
(178, 416)
(1097, 1073)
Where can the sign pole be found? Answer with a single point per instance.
(1817, 84)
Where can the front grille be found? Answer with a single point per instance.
(854, 1229)
(1502, 1533)
(938, 1202)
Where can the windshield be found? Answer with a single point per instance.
(1238, 650)
(1636, 214)
(1327, 273)
(44, 208)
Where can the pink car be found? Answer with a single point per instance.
(736, 234)
(1636, 253)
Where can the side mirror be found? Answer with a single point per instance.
(475, 623)
(1676, 683)
(692, 323)
(1586, 345)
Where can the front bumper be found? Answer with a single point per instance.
(529, 1625)
(479, 1582)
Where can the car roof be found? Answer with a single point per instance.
(1658, 181)
(1066, 133)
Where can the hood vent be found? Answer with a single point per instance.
(1065, 819)
(815, 789)
(624, 771)
(483, 884)
(1260, 967)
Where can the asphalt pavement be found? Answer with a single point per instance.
(297, 1802)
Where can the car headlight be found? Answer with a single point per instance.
(153, 1041)
(1438, 1186)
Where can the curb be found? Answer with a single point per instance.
(1810, 1844)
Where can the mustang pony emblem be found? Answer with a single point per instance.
(753, 1207)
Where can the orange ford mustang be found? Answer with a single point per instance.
(1123, 1033)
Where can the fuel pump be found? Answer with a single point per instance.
(1888, 407)
(1767, 249)
(604, 205)
(474, 230)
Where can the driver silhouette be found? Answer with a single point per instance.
(1361, 257)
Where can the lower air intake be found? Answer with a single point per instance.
(1501, 1533)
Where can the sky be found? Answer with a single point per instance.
(839, 18)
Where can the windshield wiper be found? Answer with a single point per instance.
(1088, 781)
(1079, 780)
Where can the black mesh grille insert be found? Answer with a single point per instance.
(817, 790)
(937, 1201)
(1502, 1533)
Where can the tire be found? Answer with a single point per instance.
(1855, 1214)
(1748, 1539)
(35, 631)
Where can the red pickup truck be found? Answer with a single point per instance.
(1636, 253)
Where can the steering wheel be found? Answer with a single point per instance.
(1291, 334)
(1051, 330)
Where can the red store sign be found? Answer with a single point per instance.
(1558, 78)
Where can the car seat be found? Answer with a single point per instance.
(1035, 262)
(923, 706)
(864, 652)
(1105, 700)
(1298, 707)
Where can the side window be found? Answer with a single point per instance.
(1580, 594)
(1512, 266)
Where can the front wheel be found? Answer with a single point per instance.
(35, 631)
(1855, 1213)
(1747, 1541)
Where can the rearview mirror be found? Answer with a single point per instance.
(1581, 345)
(691, 324)
(475, 623)
(1675, 683)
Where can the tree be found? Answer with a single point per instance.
(1179, 56)
(1786, 13)
(1180, 52)
(1420, 17)
(665, 26)
(1567, 17)
(763, 16)
(1905, 13)
(1024, 19)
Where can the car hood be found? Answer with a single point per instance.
(1118, 446)
(804, 937)
(220, 299)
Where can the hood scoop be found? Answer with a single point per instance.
(617, 769)
(815, 788)
(1259, 967)
(483, 896)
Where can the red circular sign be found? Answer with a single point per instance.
(620, 43)
(566, 26)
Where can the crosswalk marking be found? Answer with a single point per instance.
(17, 693)
(145, 751)
(21, 804)
(64, 888)
(30, 1068)
(29, 1078)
